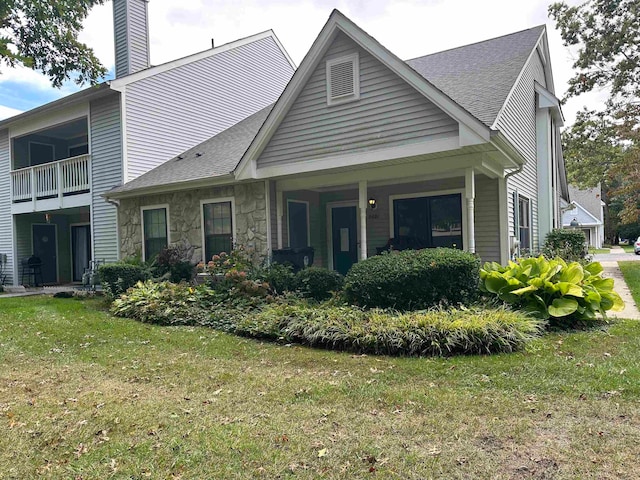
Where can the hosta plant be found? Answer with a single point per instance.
(553, 288)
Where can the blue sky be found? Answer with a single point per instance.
(408, 28)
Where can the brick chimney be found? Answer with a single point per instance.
(131, 33)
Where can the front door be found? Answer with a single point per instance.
(344, 236)
(44, 247)
(80, 250)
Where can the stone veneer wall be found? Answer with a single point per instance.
(185, 212)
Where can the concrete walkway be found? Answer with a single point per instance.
(611, 270)
(20, 291)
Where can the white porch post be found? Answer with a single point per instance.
(470, 195)
(362, 203)
(279, 213)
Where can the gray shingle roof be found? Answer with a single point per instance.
(216, 156)
(479, 76)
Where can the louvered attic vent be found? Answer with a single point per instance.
(343, 79)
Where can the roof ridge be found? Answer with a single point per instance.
(542, 25)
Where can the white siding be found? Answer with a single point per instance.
(106, 172)
(518, 123)
(172, 111)
(6, 220)
(389, 112)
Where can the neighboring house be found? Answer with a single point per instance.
(56, 161)
(459, 148)
(586, 213)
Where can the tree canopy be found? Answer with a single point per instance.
(43, 35)
(604, 146)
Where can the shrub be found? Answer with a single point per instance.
(318, 283)
(280, 277)
(414, 279)
(566, 244)
(117, 278)
(174, 261)
(165, 303)
(435, 332)
(552, 288)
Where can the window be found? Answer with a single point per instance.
(155, 231)
(218, 228)
(524, 218)
(425, 222)
(298, 223)
(343, 79)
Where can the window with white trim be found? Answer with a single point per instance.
(343, 79)
(218, 228)
(155, 231)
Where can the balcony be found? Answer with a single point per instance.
(62, 184)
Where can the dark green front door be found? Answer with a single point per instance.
(344, 234)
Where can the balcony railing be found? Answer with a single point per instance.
(49, 180)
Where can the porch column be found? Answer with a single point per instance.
(362, 203)
(279, 213)
(470, 195)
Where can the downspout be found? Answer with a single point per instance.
(116, 203)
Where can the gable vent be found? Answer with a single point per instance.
(343, 79)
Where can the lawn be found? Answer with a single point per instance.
(631, 273)
(84, 395)
(594, 251)
(627, 248)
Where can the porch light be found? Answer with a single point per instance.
(372, 203)
(574, 223)
(47, 217)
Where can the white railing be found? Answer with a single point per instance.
(54, 179)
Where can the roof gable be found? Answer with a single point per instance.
(580, 214)
(387, 112)
(474, 130)
(480, 76)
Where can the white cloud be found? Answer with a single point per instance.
(408, 28)
(6, 112)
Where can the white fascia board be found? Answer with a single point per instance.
(49, 119)
(546, 99)
(339, 23)
(534, 51)
(500, 142)
(119, 83)
(172, 187)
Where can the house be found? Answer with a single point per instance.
(362, 150)
(56, 161)
(586, 213)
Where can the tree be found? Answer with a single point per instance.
(605, 145)
(42, 35)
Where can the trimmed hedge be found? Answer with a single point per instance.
(435, 332)
(117, 278)
(569, 245)
(414, 279)
(318, 283)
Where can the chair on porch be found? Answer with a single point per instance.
(32, 269)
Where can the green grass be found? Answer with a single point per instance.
(631, 273)
(627, 248)
(594, 251)
(86, 395)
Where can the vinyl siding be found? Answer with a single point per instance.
(487, 219)
(6, 220)
(131, 36)
(174, 110)
(389, 113)
(106, 172)
(518, 123)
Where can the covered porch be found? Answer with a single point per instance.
(360, 213)
(60, 240)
